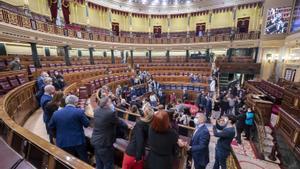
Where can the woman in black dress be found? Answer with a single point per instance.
(135, 151)
(51, 107)
(162, 140)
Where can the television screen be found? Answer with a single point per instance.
(277, 20)
(295, 26)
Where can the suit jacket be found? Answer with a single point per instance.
(40, 83)
(199, 146)
(162, 149)
(105, 123)
(68, 123)
(43, 102)
(225, 138)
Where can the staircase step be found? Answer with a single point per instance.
(267, 149)
(268, 129)
(268, 143)
(269, 137)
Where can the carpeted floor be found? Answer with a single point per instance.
(244, 152)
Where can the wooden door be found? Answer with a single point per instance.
(243, 25)
(115, 29)
(200, 29)
(157, 31)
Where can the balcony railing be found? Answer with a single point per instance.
(73, 32)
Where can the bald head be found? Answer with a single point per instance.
(49, 89)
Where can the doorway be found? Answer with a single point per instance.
(157, 31)
(243, 25)
(200, 29)
(115, 28)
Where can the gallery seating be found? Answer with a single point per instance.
(4, 85)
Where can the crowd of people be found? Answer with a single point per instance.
(155, 138)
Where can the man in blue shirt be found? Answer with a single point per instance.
(249, 123)
(68, 123)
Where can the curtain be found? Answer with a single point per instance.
(66, 10)
(53, 9)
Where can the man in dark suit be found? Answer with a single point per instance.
(199, 143)
(226, 135)
(68, 123)
(45, 98)
(185, 96)
(104, 133)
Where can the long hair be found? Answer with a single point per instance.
(58, 96)
(160, 122)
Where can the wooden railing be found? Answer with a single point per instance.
(9, 17)
(16, 107)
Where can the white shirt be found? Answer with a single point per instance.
(153, 98)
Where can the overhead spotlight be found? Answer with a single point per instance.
(154, 2)
(144, 2)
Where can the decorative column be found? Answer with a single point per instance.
(256, 51)
(130, 25)
(112, 56)
(168, 55)
(149, 25)
(187, 55)
(207, 55)
(280, 62)
(110, 21)
(150, 56)
(123, 57)
(91, 50)
(131, 58)
(169, 23)
(229, 54)
(188, 25)
(67, 56)
(35, 56)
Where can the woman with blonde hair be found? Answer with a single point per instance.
(135, 151)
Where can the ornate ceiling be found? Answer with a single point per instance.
(168, 6)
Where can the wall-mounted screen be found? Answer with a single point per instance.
(295, 25)
(277, 20)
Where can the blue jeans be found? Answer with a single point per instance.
(104, 157)
(78, 151)
(220, 159)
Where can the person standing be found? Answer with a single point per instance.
(104, 133)
(162, 140)
(249, 123)
(153, 100)
(199, 143)
(49, 90)
(53, 106)
(173, 98)
(68, 123)
(15, 64)
(208, 108)
(58, 81)
(240, 125)
(185, 96)
(135, 151)
(223, 146)
(212, 87)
